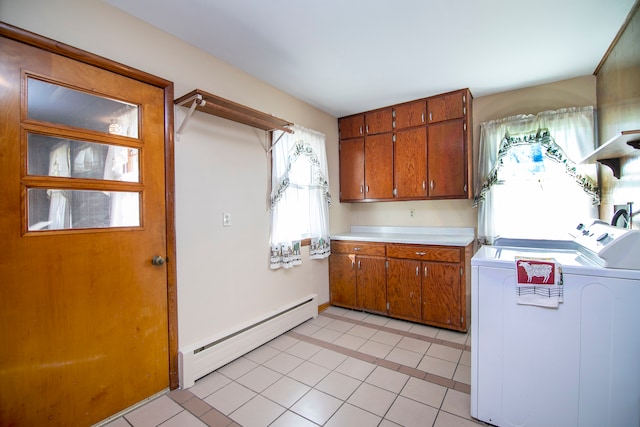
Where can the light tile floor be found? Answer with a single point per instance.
(343, 368)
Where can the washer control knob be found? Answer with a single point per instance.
(602, 237)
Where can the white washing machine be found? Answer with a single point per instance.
(574, 365)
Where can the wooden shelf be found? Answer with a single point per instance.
(211, 104)
(609, 153)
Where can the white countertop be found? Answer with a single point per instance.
(457, 236)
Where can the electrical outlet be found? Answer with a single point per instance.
(226, 219)
(412, 213)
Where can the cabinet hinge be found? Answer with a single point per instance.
(465, 188)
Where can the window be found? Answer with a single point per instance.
(531, 186)
(300, 196)
(82, 153)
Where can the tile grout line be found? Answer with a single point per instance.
(408, 370)
(407, 334)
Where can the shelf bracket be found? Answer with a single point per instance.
(197, 100)
(614, 165)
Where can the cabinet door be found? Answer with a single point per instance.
(441, 285)
(404, 278)
(379, 121)
(352, 169)
(411, 114)
(351, 126)
(378, 166)
(447, 163)
(410, 163)
(342, 280)
(371, 281)
(446, 107)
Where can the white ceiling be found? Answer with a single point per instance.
(349, 56)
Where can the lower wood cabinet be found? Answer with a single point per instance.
(421, 283)
(357, 276)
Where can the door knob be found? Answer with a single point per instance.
(157, 260)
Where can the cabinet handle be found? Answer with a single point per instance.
(367, 129)
(356, 248)
(359, 265)
(417, 271)
(424, 185)
(422, 118)
(430, 116)
(421, 253)
(425, 271)
(431, 184)
(367, 188)
(360, 130)
(361, 188)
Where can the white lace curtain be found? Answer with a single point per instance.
(565, 136)
(300, 197)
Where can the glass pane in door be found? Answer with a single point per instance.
(60, 209)
(62, 157)
(48, 102)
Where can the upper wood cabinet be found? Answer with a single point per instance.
(410, 163)
(411, 151)
(378, 166)
(448, 163)
(351, 126)
(448, 106)
(379, 121)
(352, 169)
(411, 114)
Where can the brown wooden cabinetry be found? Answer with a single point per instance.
(448, 163)
(410, 163)
(352, 169)
(421, 283)
(411, 114)
(378, 166)
(379, 121)
(449, 106)
(412, 151)
(357, 276)
(351, 126)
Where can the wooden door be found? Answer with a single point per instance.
(371, 284)
(441, 293)
(379, 121)
(411, 114)
(83, 312)
(410, 163)
(447, 107)
(447, 163)
(404, 279)
(342, 280)
(352, 169)
(351, 126)
(378, 166)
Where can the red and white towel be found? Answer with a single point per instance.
(539, 282)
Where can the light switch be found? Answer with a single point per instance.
(226, 219)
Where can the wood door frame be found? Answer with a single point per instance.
(23, 36)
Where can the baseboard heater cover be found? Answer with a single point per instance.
(199, 360)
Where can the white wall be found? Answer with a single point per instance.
(223, 273)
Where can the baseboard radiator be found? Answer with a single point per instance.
(199, 360)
